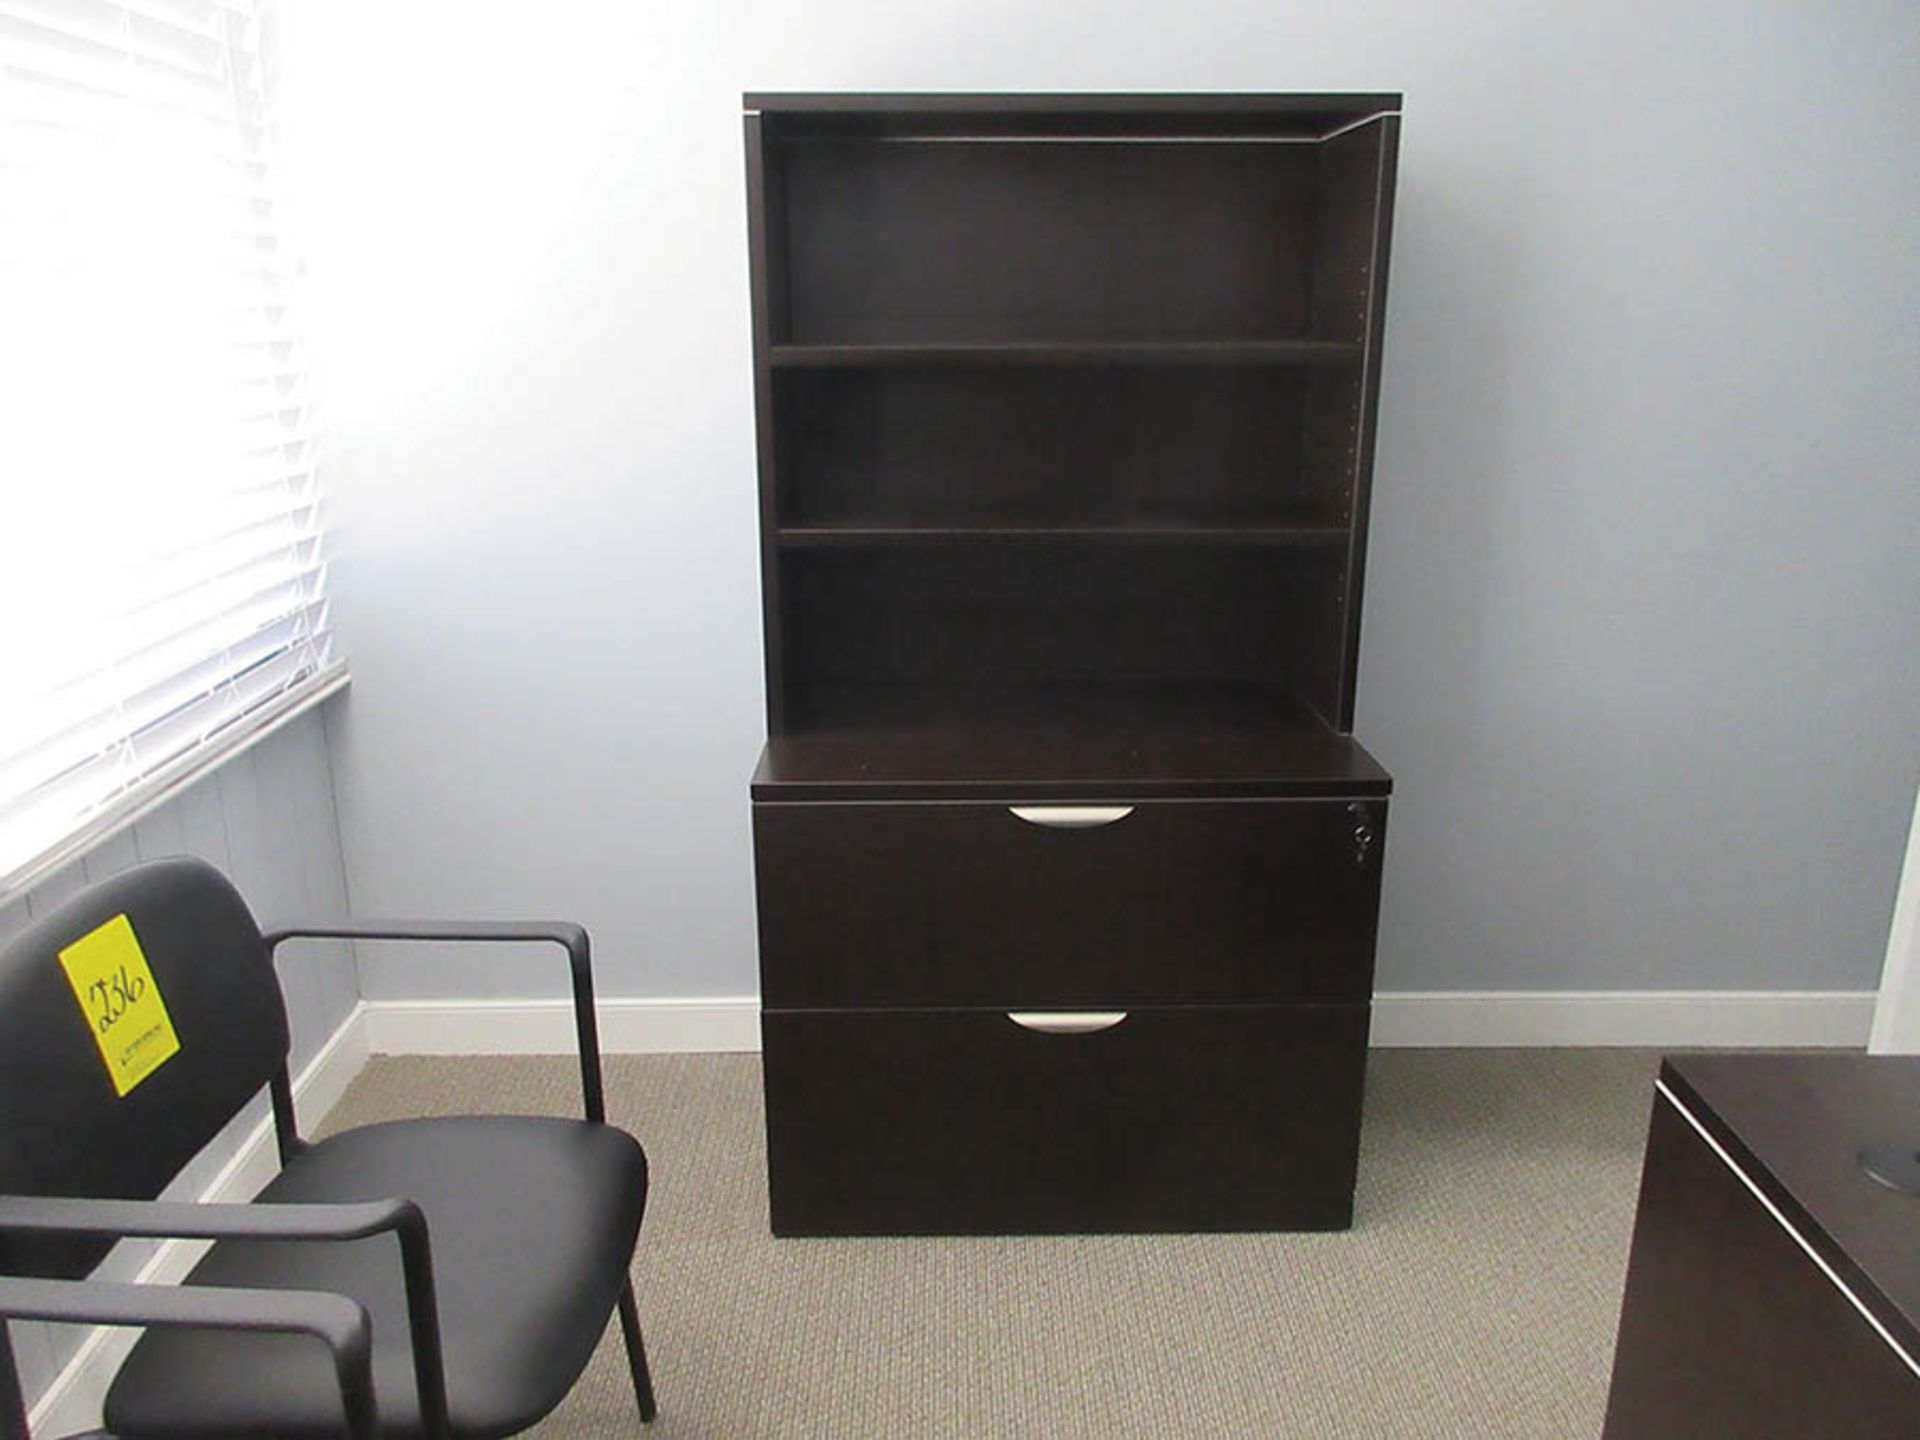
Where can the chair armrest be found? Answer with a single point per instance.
(350, 1220)
(86, 1215)
(571, 937)
(560, 932)
(339, 1323)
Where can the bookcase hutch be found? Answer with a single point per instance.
(1067, 862)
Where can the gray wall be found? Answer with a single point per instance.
(1642, 598)
(266, 818)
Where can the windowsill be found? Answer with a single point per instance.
(168, 783)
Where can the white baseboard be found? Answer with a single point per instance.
(1655, 1019)
(72, 1402)
(672, 1026)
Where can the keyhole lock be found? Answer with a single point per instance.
(1363, 834)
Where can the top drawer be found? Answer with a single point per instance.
(977, 903)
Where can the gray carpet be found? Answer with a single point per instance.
(1476, 1295)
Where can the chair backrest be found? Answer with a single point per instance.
(75, 1032)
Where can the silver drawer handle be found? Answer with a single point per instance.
(1071, 817)
(1066, 1022)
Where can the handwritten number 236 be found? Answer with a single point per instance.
(113, 994)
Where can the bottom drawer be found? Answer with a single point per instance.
(967, 1122)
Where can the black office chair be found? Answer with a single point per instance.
(514, 1233)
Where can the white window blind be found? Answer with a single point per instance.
(162, 577)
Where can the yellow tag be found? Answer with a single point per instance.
(109, 974)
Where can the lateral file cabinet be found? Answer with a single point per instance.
(1068, 866)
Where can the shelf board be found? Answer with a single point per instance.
(1089, 741)
(877, 537)
(1089, 352)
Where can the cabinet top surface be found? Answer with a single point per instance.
(1796, 1125)
(969, 102)
(1094, 743)
(984, 116)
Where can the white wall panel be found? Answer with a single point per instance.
(1642, 587)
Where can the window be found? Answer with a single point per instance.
(162, 573)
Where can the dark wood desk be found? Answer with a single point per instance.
(1773, 1289)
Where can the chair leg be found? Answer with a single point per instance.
(637, 1355)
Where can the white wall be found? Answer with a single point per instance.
(1896, 1013)
(1642, 577)
(266, 818)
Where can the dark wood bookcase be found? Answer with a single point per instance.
(1065, 423)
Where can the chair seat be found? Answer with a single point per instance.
(532, 1223)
